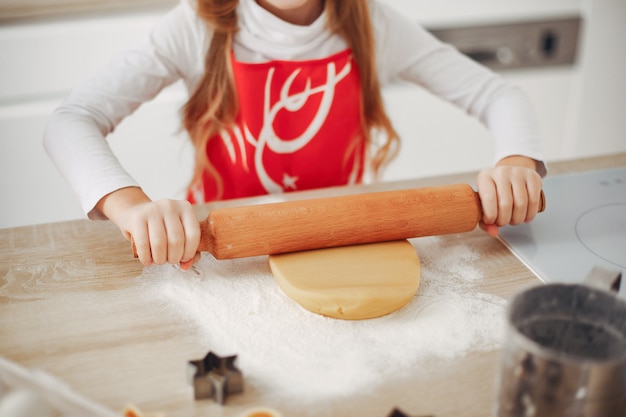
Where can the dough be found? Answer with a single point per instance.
(261, 412)
(350, 282)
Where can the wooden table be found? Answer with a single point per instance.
(67, 307)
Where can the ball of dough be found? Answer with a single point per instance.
(350, 282)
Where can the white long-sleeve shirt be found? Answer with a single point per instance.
(176, 49)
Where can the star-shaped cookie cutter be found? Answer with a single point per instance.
(215, 377)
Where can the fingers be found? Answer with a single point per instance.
(491, 229)
(517, 200)
(509, 195)
(534, 200)
(488, 197)
(165, 231)
(191, 229)
(186, 265)
(139, 236)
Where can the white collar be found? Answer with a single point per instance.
(266, 34)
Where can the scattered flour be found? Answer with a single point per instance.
(239, 309)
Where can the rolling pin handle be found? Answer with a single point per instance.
(207, 240)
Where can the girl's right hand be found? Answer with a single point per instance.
(162, 231)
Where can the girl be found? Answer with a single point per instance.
(284, 95)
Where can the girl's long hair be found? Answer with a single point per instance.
(213, 106)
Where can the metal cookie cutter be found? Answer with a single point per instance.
(215, 377)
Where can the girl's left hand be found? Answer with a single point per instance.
(509, 193)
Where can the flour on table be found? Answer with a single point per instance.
(284, 350)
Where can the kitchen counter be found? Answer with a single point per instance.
(68, 306)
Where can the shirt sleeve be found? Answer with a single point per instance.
(76, 132)
(408, 52)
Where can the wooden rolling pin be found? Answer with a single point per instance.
(338, 221)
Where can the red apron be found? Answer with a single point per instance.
(298, 128)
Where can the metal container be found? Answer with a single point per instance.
(565, 351)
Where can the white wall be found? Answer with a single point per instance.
(580, 109)
(42, 61)
(601, 88)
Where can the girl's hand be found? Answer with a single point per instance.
(509, 193)
(162, 231)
